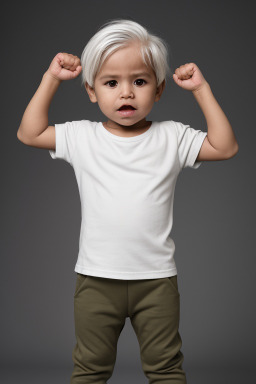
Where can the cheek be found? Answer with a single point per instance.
(148, 99)
(104, 100)
(102, 94)
(107, 94)
(107, 99)
(148, 96)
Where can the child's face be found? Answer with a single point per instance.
(125, 79)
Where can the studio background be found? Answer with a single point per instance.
(214, 208)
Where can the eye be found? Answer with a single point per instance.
(140, 80)
(111, 81)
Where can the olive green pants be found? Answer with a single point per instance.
(101, 306)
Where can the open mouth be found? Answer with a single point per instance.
(126, 108)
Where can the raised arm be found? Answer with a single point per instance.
(220, 142)
(34, 130)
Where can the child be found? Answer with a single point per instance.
(126, 169)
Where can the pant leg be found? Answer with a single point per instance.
(155, 315)
(99, 320)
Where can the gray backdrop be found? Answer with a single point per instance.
(214, 210)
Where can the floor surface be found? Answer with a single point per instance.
(13, 375)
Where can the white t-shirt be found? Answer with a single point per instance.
(126, 187)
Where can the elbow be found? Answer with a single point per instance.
(21, 138)
(236, 149)
(233, 152)
(18, 135)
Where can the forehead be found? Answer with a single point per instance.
(125, 60)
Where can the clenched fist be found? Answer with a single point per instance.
(189, 77)
(65, 66)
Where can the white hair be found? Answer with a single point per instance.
(117, 34)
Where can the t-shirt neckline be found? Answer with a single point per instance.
(127, 139)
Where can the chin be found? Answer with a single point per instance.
(125, 122)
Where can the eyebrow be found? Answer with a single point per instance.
(144, 74)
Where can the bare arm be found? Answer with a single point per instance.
(34, 129)
(220, 142)
(35, 119)
(220, 135)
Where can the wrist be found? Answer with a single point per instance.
(205, 87)
(55, 79)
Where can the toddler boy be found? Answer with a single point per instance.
(126, 169)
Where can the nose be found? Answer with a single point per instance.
(126, 90)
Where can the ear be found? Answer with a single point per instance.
(159, 91)
(91, 93)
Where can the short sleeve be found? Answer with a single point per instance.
(65, 139)
(190, 141)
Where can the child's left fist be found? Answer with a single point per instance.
(189, 77)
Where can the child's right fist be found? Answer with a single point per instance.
(65, 66)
